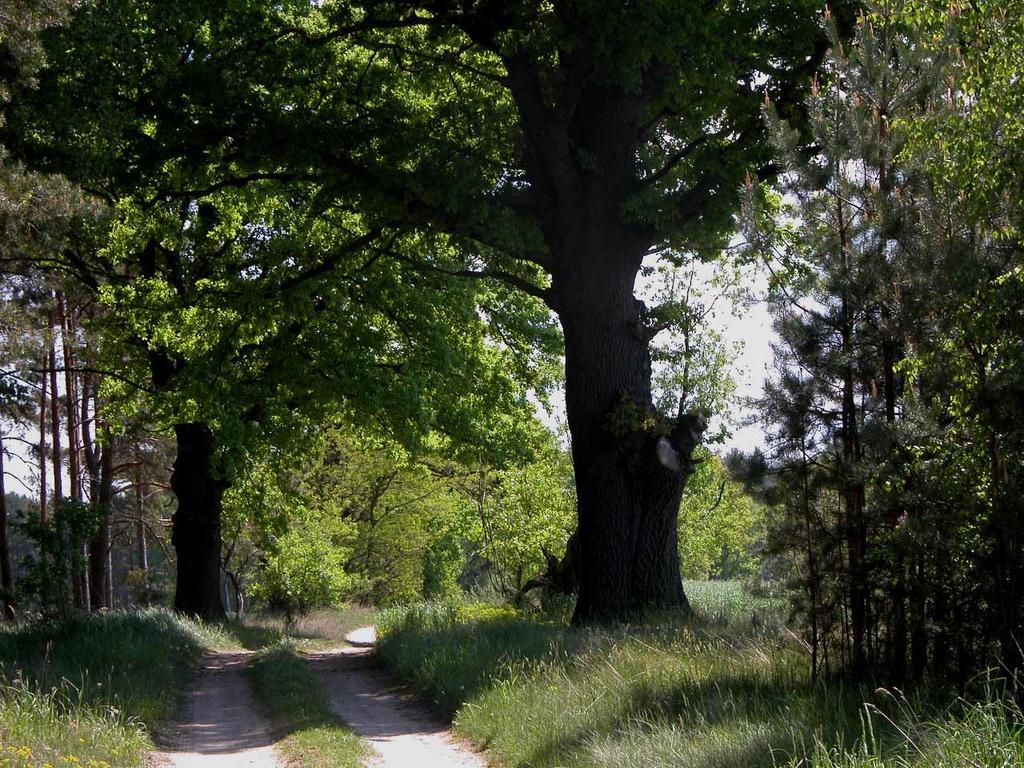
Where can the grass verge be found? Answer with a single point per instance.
(86, 691)
(300, 709)
(49, 729)
(718, 691)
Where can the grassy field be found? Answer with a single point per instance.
(728, 689)
(299, 707)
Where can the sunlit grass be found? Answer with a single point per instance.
(53, 728)
(137, 662)
(321, 629)
(724, 689)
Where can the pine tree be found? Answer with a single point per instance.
(836, 403)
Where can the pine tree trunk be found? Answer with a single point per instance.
(918, 630)
(43, 383)
(6, 571)
(196, 529)
(100, 581)
(64, 323)
(856, 528)
(57, 459)
(71, 389)
(140, 527)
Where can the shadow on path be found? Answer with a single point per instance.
(220, 725)
(377, 708)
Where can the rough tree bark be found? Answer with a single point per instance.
(198, 484)
(628, 500)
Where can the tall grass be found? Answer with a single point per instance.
(53, 729)
(982, 734)
(726, 689)
(134, 661)
(452, 652)
(727, 604)
(86, 691)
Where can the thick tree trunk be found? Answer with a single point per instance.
(628, 499)
(196, 530)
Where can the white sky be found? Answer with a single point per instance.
(748, 326)
(753, 329)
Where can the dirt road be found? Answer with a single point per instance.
(395, 725)
(221, 726)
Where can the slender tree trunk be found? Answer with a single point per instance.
(71, 597)
(92, 452)
(918, 630)
(899, 595)
(853, 487)
(196, 529)
(628, 500)
(57, 460)
(856, 525)
(140, 526)
(100, 462)
(79, 577)
(71, 388)
(813, 580)
(940, 642)
(100, 581)
(86, 422)
(6, 571)
(43, 383)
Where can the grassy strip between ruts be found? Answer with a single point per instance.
(312, 736)
(729, 691)
(86, 691)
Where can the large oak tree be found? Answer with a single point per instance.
(243, 303)
(559, 145)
